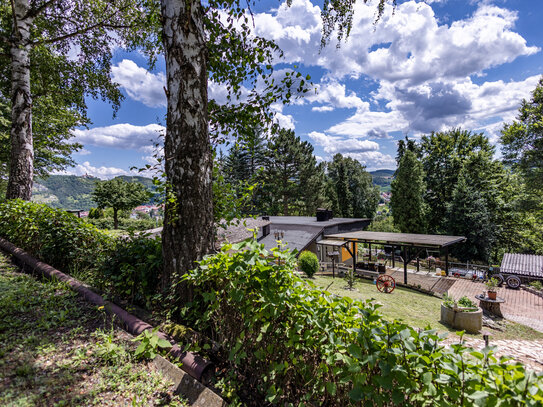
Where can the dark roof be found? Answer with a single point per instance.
(409, 239)
(523, 264)
(311, 221)
(329, 242)
(293, 238)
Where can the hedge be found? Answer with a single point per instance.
(296, 345)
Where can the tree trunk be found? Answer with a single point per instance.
(188, 222)
(115, 218)
(21, 170)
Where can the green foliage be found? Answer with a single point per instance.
(448, 301)
(54, 236)
(132, 269)
(351, 188)
(536, 284)
(301, 345)
(150, 344)
(124, 223)
(407, 201)
(119, 195)
(492, 284)
(96, 213)
(308, 263)
(383, 224)
(522, 140)
(466, 302)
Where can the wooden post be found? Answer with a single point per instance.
(447, 261)
(354, 257)
(393, 256)
(418, 264)
(405, 265)
(369, 244)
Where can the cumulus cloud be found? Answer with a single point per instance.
(374, 160)
(100, 172)
(122, 136)
(331, 95)
(140, 84)
(333, 144)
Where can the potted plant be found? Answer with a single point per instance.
(462, 314)
(492, 288)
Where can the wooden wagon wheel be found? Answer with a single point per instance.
(385, 283)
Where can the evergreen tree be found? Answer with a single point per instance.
(407, 200)
(468, 215)
(351, 189)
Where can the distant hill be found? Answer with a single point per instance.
(73, 192)
(383, 178)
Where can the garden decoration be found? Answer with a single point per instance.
(385, 283)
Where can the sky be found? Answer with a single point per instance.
(426, 66)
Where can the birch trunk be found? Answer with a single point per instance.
(21, 171)
(188, 224)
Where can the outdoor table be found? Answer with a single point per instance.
(491, 306)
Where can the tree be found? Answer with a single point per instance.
(443, 156)
(352, 188)
(37, 37)
(407, 200)
(468, 215)
(522, 140)
(288, 169)
(120, 196)
(197, 41)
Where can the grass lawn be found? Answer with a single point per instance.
(414, 308)
(56, 350)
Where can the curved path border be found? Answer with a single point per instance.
(192, 363)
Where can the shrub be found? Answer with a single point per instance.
(53, 235)
(132, 269)
(125, 223)
(296, 344)
(537, 285)
(466, 302)
(308, 263)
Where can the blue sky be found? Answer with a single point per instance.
(429, 66)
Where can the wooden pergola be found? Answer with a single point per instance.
(410, 244)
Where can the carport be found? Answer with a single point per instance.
(410, 244)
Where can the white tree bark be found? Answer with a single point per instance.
(188, 223)
(22, 151)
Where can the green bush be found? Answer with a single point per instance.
(54, 236)
(536, 284)
(308, 263)
(133, 268)
(466, 302)
(302, 346)
(125, 223)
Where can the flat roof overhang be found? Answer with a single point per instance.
(398, 239)
(328, 242)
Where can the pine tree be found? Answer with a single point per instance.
(407, 200)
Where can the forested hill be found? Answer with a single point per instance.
(382, 178)
(73, 192)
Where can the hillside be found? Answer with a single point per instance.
(73, 192)
(382, 178)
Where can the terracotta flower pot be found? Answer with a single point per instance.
(492, 295)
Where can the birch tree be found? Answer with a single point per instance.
(215, 41)
(82, 34)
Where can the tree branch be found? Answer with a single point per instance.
(36, 11)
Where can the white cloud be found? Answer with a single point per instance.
(331, 95)
(83, 151)
(333, 145)
(100, 172)
(140, 84)
(374, 160)
(122, 136)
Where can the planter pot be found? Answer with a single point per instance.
(381, 268)
(492, 294)
(460, 318)
(371, 266)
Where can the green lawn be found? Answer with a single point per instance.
(57, 350)
(414, 308)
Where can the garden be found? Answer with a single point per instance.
(276, 338)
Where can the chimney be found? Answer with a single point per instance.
(323, 214)
(266, 228)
